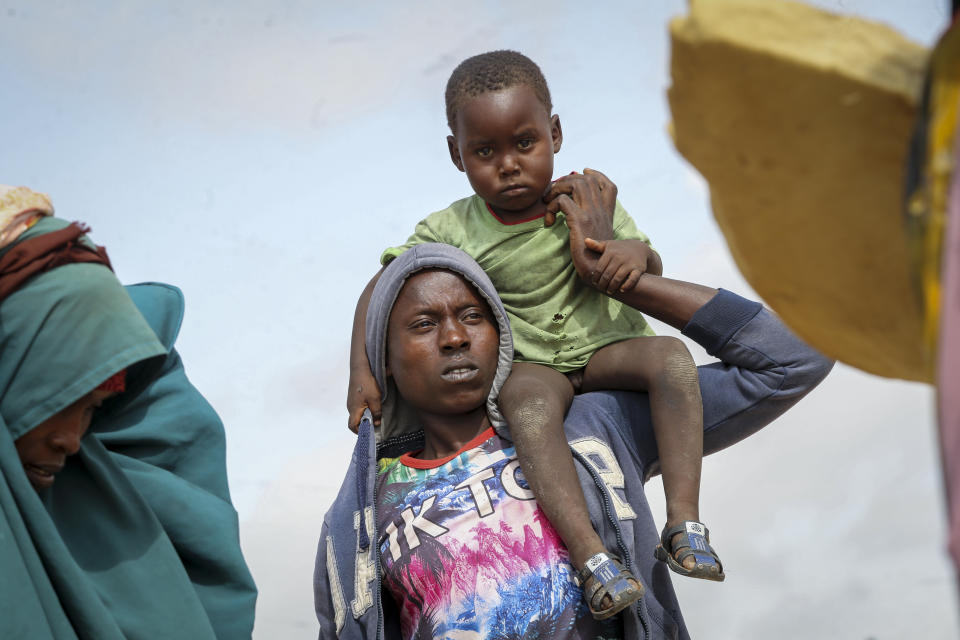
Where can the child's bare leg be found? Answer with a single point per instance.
(534, 400)
(662, 366)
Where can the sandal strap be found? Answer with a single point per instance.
(686, 527)
(694, 541)
(602, 566)
(611, 579)
(703, 559)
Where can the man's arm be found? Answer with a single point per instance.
(673, 302)
(603, 259)
(587, 200)
(764, 368)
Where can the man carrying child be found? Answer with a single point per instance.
(571, 332)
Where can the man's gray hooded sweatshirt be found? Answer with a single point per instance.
(763, 370)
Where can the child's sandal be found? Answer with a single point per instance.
(605, 576)
(695, 541)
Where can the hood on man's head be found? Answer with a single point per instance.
(397, 417)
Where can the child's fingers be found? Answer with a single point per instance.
(373, 403)
(603, 282)
(595, 245)
(353, 422)
(603, 263)
(619, 278)
(631, 281)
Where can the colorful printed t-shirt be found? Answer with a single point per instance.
(556, 319)
(468, 555)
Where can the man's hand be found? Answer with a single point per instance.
(595, 196)
(363, 393)
(621, 264)
(587, 200)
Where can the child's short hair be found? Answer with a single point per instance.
(493, 71)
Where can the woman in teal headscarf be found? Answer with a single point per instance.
(135, 536)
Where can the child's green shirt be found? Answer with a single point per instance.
(556, 319)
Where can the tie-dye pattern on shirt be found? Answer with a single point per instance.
(468, 555)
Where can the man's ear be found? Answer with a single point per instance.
(454, 152)
(556, 132)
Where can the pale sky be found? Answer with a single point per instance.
(260, 155)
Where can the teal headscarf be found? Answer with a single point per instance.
(137, 537)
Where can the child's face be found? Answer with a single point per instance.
(44, 449)
(505, 141)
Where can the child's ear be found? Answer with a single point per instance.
(556, 132)
(454, 152)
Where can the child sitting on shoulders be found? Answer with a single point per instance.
(571, 335)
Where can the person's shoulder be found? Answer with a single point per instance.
(619, 209)
(458, 209)
(455, 224)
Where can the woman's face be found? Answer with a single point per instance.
(442, 345)
(44, 449)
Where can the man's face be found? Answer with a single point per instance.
(44, 449)
(442, 345)
(505, 141)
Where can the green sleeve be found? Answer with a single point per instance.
(424, 232)
(624, 227)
